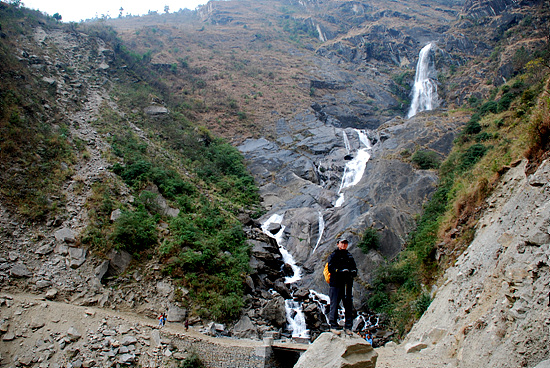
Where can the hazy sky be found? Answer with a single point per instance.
(76, 10)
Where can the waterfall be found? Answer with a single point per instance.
(287, 257)
(294, 314)
(425, 88)
(296, 319)
(346, 141)
(354, 169)
(321, 230)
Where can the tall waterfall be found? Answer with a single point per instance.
(425, 87)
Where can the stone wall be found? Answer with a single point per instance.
(224, 355)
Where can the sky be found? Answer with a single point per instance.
(77, 10)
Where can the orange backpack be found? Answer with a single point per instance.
(326, 273)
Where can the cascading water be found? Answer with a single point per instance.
(287, 257)
(294, 314)
(346, 141)
(353, 173)
(321, 230)
(425, 87)
(354, 169)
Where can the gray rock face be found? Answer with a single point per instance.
(331, 351)
(497, 289)
(176, 314)
(155, 110)
(274, 311)
(245, 329)
(387, 197)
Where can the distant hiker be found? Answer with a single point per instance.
(186, 324)
(343, 270)
(368, 338)
(161, 320)
(164, 319)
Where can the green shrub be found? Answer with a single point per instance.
(135, 231)
(482, 137)
(472, 155)
(488, 107)
(426, 160)
(192, 361)
(472, 127)
(505, 101)
(370, 240)
(421, 304)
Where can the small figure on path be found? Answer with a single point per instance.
(368, 338)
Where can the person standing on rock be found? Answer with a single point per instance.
(343, 270)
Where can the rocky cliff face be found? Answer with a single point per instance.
(492, 307)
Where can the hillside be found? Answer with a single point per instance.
(148, 162)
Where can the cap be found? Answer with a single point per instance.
(343, 240)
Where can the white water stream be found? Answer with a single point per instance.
(425, 88)
(294, 314)
(321, 230)
(354, 169)
(353, 172)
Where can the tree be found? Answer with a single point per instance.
(57, 17)
(121, 10)
(166, 9)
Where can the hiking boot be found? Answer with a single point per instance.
(349, 332)
(335, 331)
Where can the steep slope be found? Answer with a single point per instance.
(492, 307)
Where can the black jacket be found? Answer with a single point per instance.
(341, 266)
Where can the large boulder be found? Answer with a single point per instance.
(332, 351)
(245, 329)
(274, 311)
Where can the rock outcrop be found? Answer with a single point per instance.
(492, 306)
(332, 351)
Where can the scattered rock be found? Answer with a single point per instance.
(176, 314)
(73, 334)
(413, 347)
(155, 110)
(65, 235)
(10, 336)
(51, 294)
(245, 329)
(20, 270)
(119, 261)
(77, 256)
(115, 215)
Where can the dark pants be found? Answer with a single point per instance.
(337, 294)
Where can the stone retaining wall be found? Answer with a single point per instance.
(224, 355)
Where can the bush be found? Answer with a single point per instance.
(421, 304)
(482, 137)
(370, 240)
(426, 160)
(472, 156)
(192, 361)
(488, 107)
(135, 231)
(472, 127)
